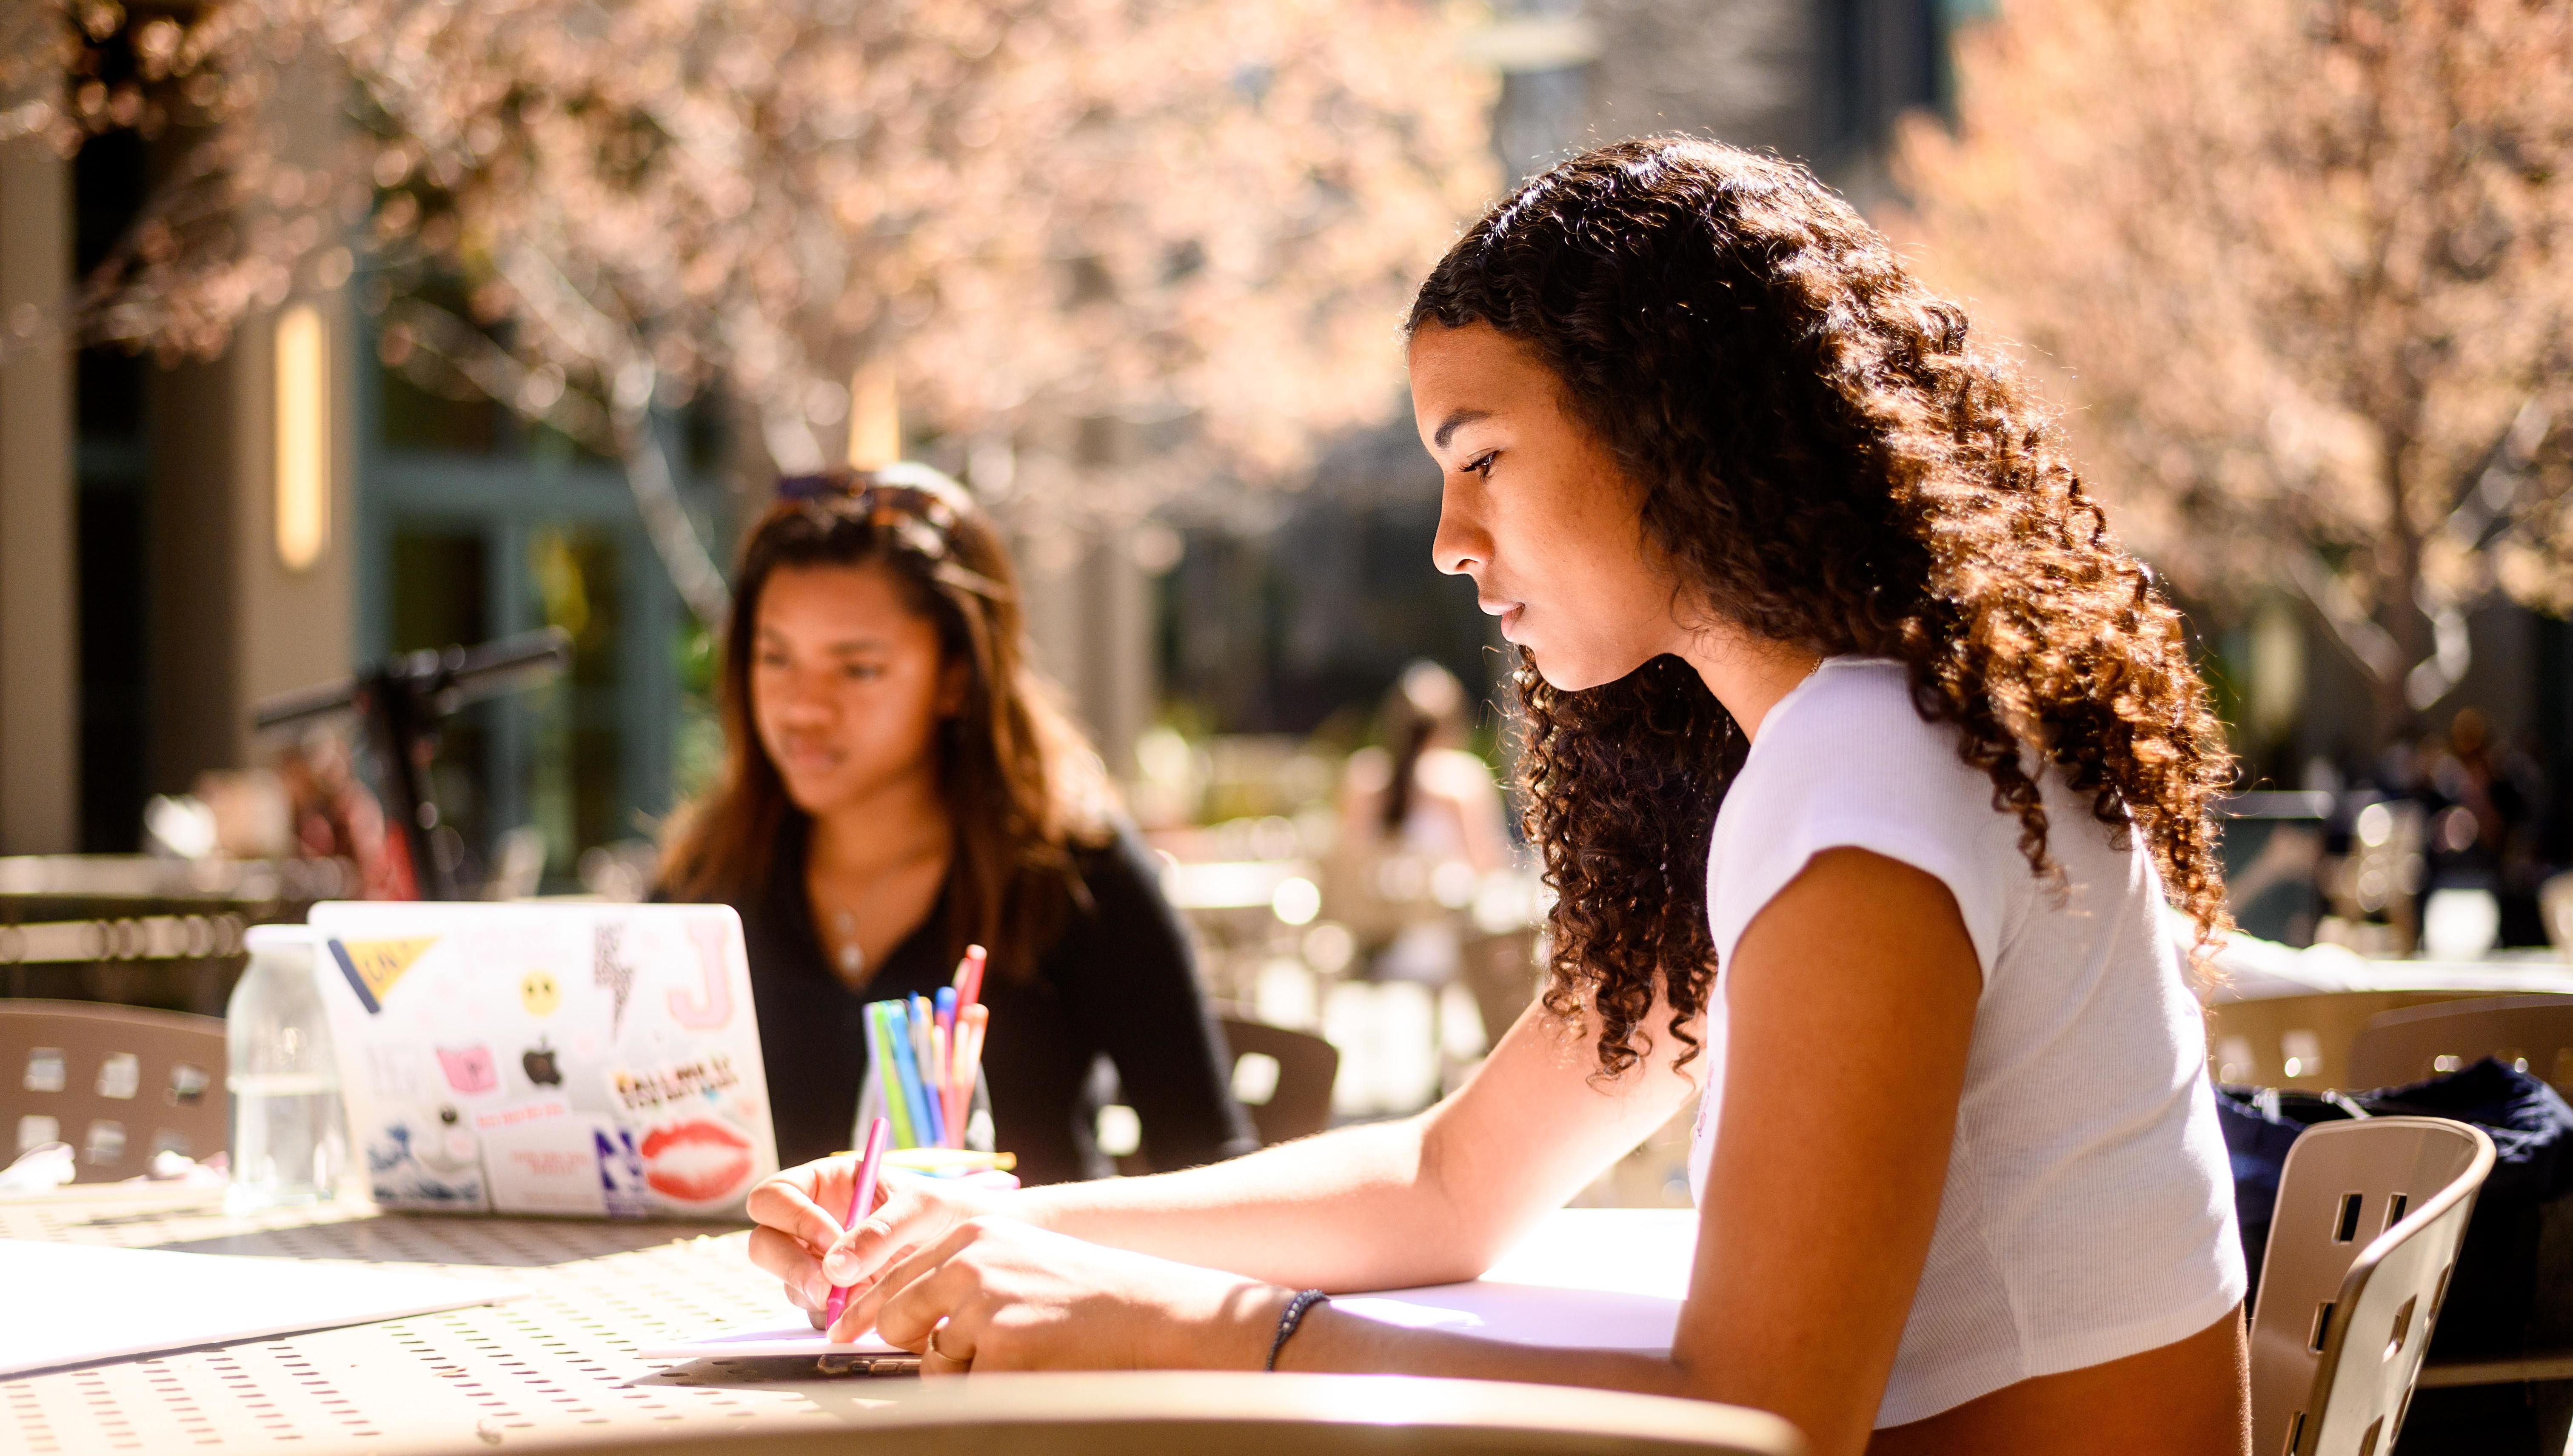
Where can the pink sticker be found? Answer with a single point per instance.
(701, 1160)
(468, 1069)
(711, 1007)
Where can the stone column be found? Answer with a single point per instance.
(235, 620)
(39, 584)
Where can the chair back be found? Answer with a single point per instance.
(2369, 1218)
(2298, 1041)
(1293, 1096)
(1166, 1413)
(1502, 973)
(2535, 1031)
(117, 1083)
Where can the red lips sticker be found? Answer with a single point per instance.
(695, 1163)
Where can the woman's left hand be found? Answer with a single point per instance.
(997, 1294)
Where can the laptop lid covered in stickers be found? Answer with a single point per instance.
(578, 1059)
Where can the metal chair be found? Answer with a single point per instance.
(2534, 1032)
(117, 1083)
(1294, 1101)
(2298, 1041)
(2370, 1215)
(1147, 1413)
(1502, 973)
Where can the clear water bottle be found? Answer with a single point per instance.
(290, 1137)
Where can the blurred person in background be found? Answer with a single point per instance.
(335, 816)
(2481, 799)
(1423, 792)
(899, 783)
(1421, 824)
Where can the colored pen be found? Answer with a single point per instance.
(924, 1046)
(969, 979)
(975, 1024)
(948, 1162)
(862, 1201)
(880, 1043)
(933, 1087)
(925, 1129)
(922, 1025)
(946, 1005)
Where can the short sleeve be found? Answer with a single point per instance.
(1847, 762)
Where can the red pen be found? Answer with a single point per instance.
(969, 979)
(862, 1200)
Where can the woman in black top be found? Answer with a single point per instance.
(898, 783)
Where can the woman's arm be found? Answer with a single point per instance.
(1421, 1200)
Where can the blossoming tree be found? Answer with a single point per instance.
(1048, 218)
(2308, 272)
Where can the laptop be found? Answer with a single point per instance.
(576, 1060)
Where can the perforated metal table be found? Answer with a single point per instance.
(553, 1367)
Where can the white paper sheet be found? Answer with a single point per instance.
(70, 1305)
(1527, 1314)
(1586, 1278)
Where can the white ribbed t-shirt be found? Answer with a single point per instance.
(2088, 1207)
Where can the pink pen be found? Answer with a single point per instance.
(969, 979)
(862, 1200)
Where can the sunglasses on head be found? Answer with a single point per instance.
(917, 512)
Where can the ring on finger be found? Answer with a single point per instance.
(962, 1362)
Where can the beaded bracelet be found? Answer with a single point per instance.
(1294, 1316)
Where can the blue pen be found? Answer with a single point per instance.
(924, 1066)
(880, 1044)
(924, 1126)
(924, 1070)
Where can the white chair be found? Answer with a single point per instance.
(2370, 1214)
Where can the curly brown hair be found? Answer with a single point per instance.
(1830, 462)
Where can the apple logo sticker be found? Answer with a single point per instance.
(540, 1064)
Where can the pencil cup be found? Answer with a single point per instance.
(978, 1115)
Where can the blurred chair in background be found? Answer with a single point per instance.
(119, 1084)
(1282, 1077)
(2535, 1032)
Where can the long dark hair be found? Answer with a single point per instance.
(1830, 462)
(1425, 702)
(1022, 787)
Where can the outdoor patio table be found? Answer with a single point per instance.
(556, 1365)
(559, 1364)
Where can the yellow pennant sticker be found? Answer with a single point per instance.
(373, 966)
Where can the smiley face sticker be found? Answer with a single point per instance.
(539, 993)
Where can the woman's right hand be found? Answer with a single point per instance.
(799, 1238)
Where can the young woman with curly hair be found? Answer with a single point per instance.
(1864, 763)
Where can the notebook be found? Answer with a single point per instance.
(116, 1303)
(582, 1059)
